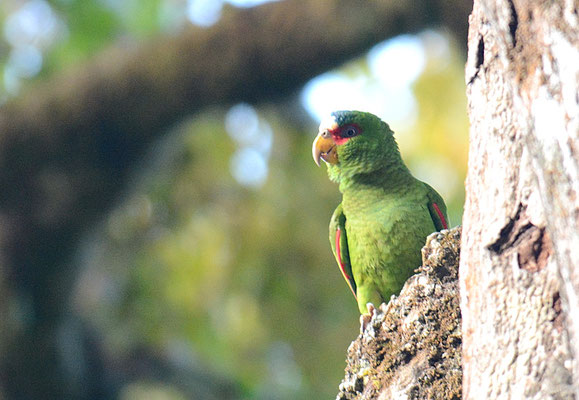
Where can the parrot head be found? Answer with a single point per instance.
(354, 142)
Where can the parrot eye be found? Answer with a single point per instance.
(350, 131)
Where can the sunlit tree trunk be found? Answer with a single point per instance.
(519, 263)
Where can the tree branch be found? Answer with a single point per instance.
(66, 145)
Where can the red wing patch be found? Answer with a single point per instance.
(442, 219)
(348, 278)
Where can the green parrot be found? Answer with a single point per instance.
(378, 230)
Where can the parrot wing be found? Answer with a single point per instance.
(437, 209)
(339, 242)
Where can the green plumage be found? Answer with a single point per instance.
(385, 215)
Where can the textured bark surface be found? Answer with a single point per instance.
(411, 349)
(520, 254)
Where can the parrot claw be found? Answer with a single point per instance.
(366, 318)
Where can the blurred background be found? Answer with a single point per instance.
(163, 227)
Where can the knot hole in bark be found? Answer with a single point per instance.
(531, 243)
(513, 23)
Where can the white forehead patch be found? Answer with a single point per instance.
(328, 123)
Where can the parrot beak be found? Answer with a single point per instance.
(324, 147)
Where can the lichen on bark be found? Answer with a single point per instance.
(411, 348)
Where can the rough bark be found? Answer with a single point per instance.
(520, 256)
(411, 349)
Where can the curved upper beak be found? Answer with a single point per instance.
(324, 147)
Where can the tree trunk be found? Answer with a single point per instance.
(519, 262)
(411, 348)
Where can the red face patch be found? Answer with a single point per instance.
(342, 134)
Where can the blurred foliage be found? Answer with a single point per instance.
(244, 277)
(436, 146)
(239, 279)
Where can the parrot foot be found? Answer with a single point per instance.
(366, 318)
